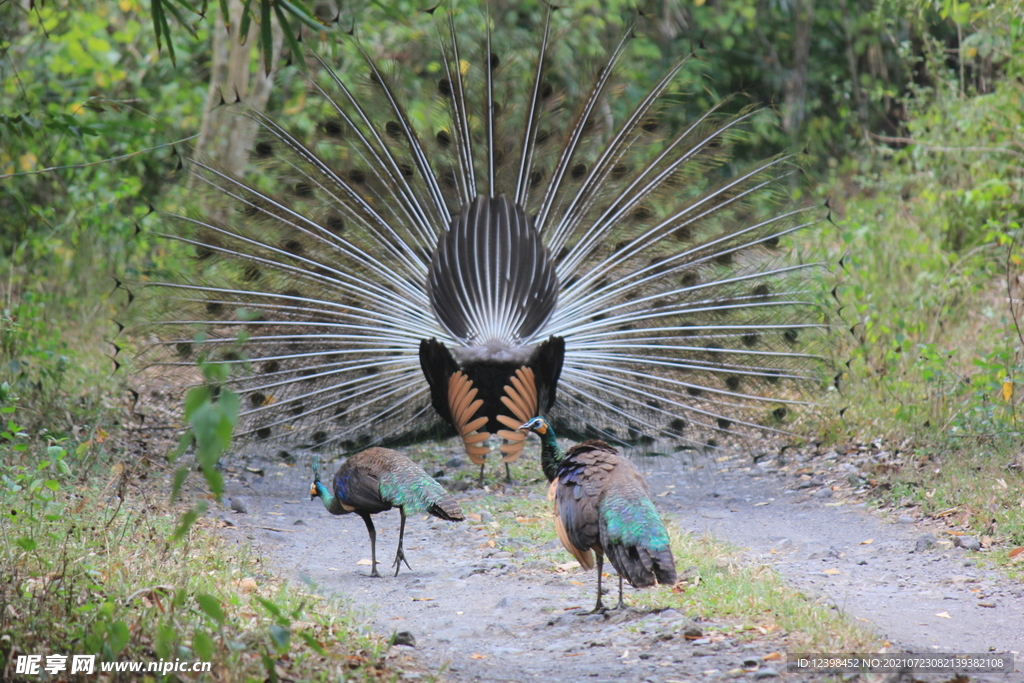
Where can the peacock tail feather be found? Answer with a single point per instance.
(643, 280)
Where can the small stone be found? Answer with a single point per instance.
(987, 603)
(693, 632)
(905, 519)
(504, 603)
(226, 520)
(240, 504)
(486, 516)
(460, 485)
(968, 542)
(823, 493)
(403, 638)
(454, 463)
(766, 672)
(925, 542)
(300, 522)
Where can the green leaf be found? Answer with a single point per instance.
(179, 480)
(271, 607)
(280, 635)
(202, 643)
(270, 666)
(243, 34)
(266, 36)
(211, 607)
(117, 636)
(187, 520)
(312, 643)
(163, 643)
(289, 34)
(27, 544)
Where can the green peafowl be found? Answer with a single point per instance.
(377, 480)
(603, 507)
(519, 242)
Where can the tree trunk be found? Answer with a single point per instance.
(796, 84)
(226, 137)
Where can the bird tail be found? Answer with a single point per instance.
(680, 312)
(636, 541)
(447, 509)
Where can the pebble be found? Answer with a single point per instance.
(454, 463)
(925, 542)
(240, 504)
(403, 638)
(968, 542)
(905, 519)
(823, 493)
(987, 603)
(766, 672)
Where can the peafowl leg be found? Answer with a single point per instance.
(599, 607)
(400, 555)
(482, 474)
(508, 474)
(373, 544)
(622, 605)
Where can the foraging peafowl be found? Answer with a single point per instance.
(603, 507)
(377, 480)
(516, 243)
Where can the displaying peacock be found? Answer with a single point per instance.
(377, 480)
(515, 242)
(603, 507)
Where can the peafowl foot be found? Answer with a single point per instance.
(399, 559)
(374, 573)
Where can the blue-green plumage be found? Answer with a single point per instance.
(602, 505)
(377, 480)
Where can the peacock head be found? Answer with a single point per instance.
(313, 492)
(537, 425)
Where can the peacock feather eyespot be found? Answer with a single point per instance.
(333, 128)
(335, 223)
(264, 149)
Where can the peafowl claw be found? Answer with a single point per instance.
(374, 573)
(399, 559)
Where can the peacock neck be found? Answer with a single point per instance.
(330, 500)
(551, 454)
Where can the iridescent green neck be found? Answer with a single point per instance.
(550, 453)
(330, 501)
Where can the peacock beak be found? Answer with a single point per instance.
(312, 491)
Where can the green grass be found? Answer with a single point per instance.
(89, 567)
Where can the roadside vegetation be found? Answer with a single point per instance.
(912, 119)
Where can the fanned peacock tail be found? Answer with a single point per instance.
(546, 250)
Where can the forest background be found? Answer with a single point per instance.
(908, 114)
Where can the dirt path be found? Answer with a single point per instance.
(483, 615)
